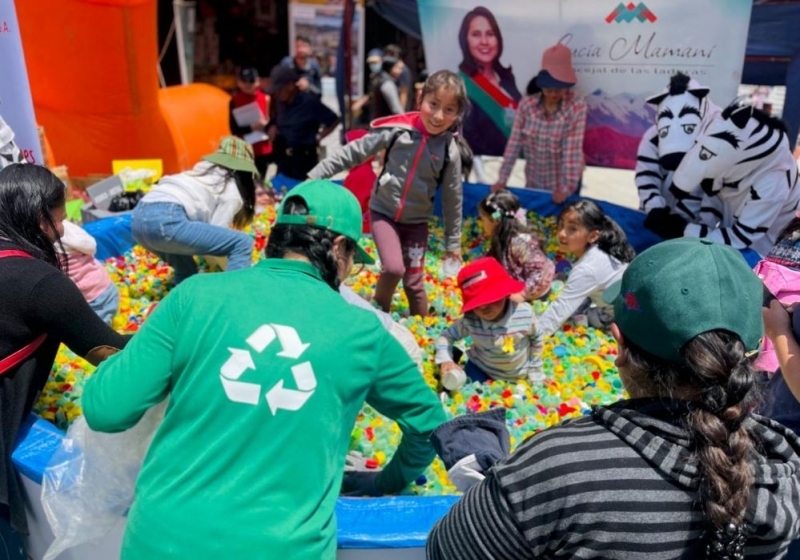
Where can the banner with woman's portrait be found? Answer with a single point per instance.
(622, 53)
(16, 107)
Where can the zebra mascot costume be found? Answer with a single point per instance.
(9, 152)
(681, 110)
(754, 193)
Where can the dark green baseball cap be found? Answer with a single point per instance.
(331, 207)
(684, 287)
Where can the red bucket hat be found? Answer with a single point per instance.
(485, 281)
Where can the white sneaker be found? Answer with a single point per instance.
(454, 379)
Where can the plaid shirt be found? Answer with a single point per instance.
(552, 145)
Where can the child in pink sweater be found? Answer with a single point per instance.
(87, 272)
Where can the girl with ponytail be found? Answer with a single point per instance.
(514, 245)
(682, 468)
(602, 252)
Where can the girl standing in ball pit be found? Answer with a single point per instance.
(603, 253)
(191, 213)
(514, 246)
(41, 309)
(423, 154)
(506, 342)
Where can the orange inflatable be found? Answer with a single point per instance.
(93, 78)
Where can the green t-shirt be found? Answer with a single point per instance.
(266, 369)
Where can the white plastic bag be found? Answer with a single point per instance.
(87, 489)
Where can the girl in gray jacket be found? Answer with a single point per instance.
(423, 153)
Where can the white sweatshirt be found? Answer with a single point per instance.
(202, 194)
(591, 275)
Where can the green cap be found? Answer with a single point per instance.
(234, 153)
(331, 207)
(682, 288)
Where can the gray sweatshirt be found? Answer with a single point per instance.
(415, 168)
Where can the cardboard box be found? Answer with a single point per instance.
(101, 194)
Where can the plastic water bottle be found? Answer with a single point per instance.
(451, 266)
(454, 379)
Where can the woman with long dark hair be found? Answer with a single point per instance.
(253, 362)
(491, 87)
(191, 213)
(681, 469)
(41, 309)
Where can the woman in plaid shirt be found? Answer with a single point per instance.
(548, 130)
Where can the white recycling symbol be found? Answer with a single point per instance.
(277, 397)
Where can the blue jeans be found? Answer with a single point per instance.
(106, 305)
(163, 228)
(475, 373)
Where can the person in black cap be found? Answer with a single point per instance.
(301, 120)
(249, 92)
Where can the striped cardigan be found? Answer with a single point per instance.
(620, 483)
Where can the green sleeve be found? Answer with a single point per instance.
(127, 384)
(401, 394)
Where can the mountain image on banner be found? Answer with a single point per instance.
(614, 127)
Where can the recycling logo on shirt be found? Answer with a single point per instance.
(278, 396)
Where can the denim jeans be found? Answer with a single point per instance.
(164, 229)
(106, 305)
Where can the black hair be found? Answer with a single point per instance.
(28, 195)
(533, 87)
(678, 83)
(388, 62)
(468, 64)
(465, 153)
(246, 185)
(612, 239)
(316, 244)
(502, 206)
(717, 370)
(393, 51)
(303, 38)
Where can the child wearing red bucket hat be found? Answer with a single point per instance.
(506, 342)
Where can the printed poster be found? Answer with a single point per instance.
(16, 106)
(622, 53)
(322, 24)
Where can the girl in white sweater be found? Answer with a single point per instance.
(603, 254)
(191, 213)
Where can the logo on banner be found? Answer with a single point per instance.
(240, 361)
(627, 14)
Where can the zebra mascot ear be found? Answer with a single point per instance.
(656, 99)
(741, 115)
(699, 92)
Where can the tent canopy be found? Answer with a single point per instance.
(772, 57)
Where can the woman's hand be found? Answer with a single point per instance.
(498, 186)
(777, 320)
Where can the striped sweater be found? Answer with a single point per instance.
(510, 348)
(620, 483)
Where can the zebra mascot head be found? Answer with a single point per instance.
(730, 147)
(680, 110)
